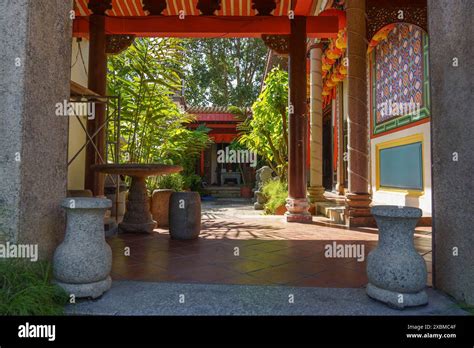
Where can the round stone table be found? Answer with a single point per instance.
(137, 218)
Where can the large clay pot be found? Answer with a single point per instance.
(246, 192)
(185, 215)
(160, 203)
(83, 261)
(397, 273)
(281, 210)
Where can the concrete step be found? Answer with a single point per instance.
(223, 191)
(333, 211)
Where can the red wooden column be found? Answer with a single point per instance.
(297, 204)
(358, 199)
(97, 82)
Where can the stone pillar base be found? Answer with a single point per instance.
(358, 210)
(297, 210)
(398, 300)
(88, 290)
(316, 194)
(340, 189)
(146, 227)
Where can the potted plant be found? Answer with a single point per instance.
(276, 193)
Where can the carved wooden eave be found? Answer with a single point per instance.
(381, 13)
(99, 7)
(118, 43)
(208, 7)
(264, 7)
(280, 44)
(154, 7)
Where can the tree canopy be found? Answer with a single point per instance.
(223, 72)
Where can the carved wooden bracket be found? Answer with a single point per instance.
(278, 43)
(208, 7)
(378, 16)
(118, 43)
(99, 6)
(264, 7)
(154, 7)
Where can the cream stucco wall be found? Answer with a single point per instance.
(398, 198)
(77, 136)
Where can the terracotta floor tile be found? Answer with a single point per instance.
(242, 265)
(271, 259)
(271, 251)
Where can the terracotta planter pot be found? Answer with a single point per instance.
(246, 192)
(160, 206)
(281, 210)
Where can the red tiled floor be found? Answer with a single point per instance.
(251, 250)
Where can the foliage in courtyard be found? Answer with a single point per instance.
(177, 182)
(276, 193)
(222, 72)
(153, 129)
(26, 289)
(266, 132)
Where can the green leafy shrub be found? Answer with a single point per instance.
(173, 182)
(26, 289)
(192, 182)
(276, 193)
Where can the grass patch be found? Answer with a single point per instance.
(26, 289)
(276, 193)
(466, 307)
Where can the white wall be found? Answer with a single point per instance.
(398, 198)
(77, 136)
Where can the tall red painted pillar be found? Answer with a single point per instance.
(297, 204)
(97, 82)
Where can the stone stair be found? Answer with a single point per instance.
(223, 191)
(333, 211)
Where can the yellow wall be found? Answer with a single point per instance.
(77, 137)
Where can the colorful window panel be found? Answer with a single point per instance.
(400, 78)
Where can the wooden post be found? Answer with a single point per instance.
(297, 204)
(358, 197)
(98, 83)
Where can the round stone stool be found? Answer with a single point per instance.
(185, 215)
(397, 273)
(82, 262)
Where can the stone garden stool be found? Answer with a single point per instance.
(397, 273)
(82, 262)
(185, 215)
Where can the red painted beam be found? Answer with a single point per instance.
(216, 26)
(339, 13)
